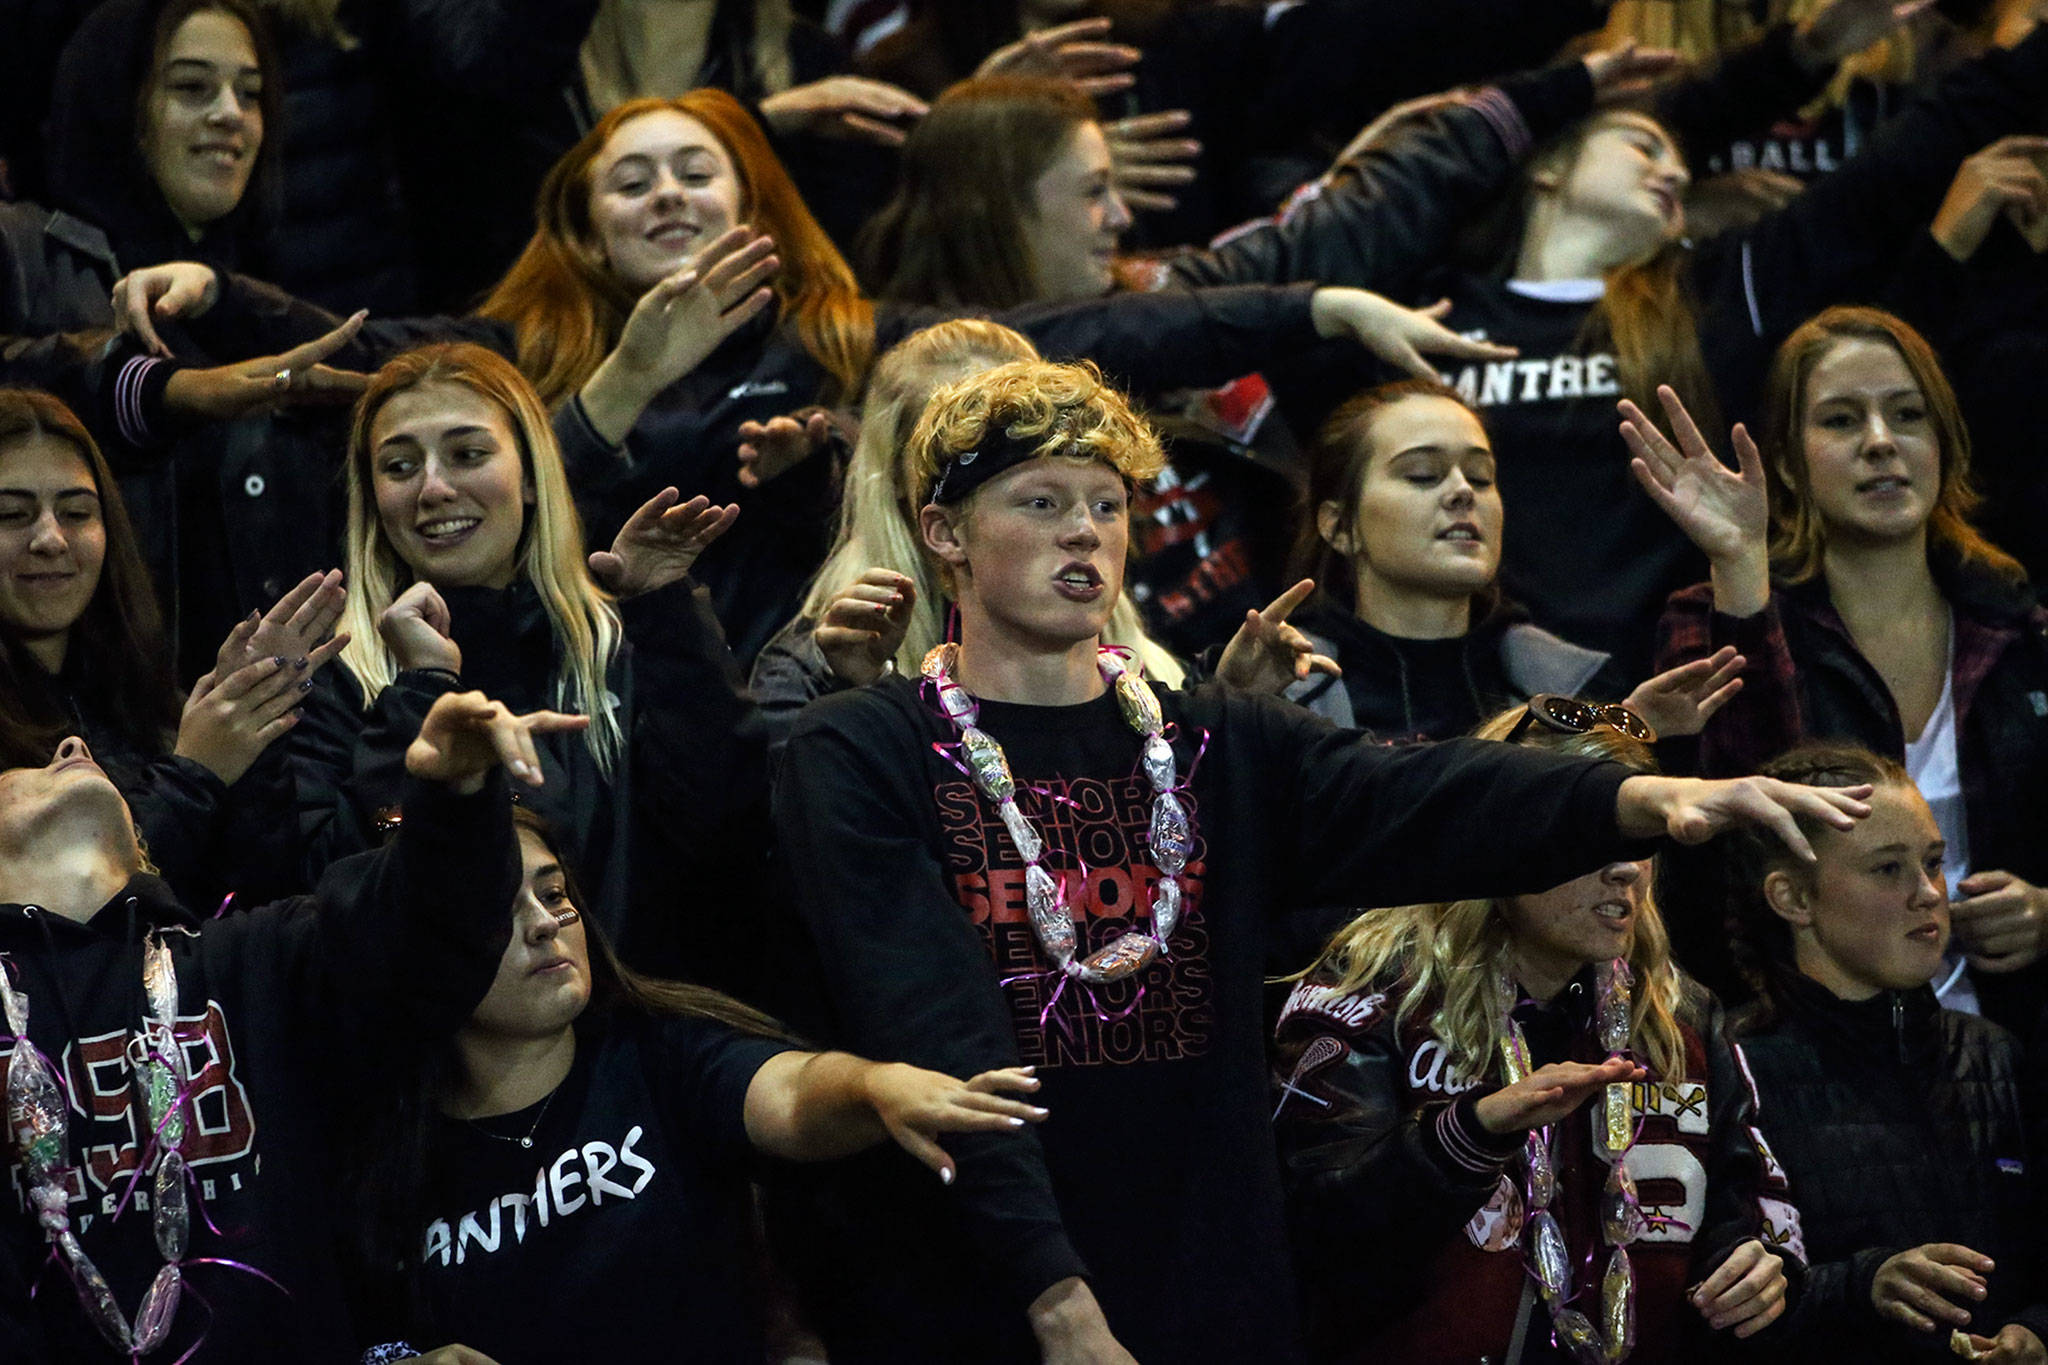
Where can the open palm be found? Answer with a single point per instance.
(1726, 512)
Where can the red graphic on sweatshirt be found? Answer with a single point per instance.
(1096, 845)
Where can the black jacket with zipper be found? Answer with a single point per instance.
(282, 1012)
(1899, 1123)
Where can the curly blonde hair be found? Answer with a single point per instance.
(1072, 409)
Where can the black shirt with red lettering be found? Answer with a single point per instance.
(1156, 1174)
(621, 1233)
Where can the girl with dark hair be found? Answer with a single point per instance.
(82, 653)
(1846, 570)
(1433, 1069)
(585, 1137)
(1589, 274)
(1403, 530)
(1909, 1135)
(676, 288)
(163, 133)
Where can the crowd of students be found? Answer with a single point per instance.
(736, 680)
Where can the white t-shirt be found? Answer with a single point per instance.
(1931, 763)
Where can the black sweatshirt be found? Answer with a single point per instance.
(282, 1010)
(1551, 410)
(1156, 1176)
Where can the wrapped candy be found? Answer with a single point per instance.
(1165, 908)
(1049, 915)
(1542, 1171)
(171, 1220)
(1159, 766)
(991, 769)
(1129, 954)
(1544, 1243)
(35, 1113)
(1029, 846)
(159, 1305)
(1138, 703)
(1621, 1213)
(1618, 1306)
(1171, 835)
(1614, 1121)
(1617, 1021)
(1575, 1332)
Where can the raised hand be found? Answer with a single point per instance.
(1400, 336)
(1928, 1285)
(269, 382)
(1844, 28)
(864, 625)
(1693, 810)
(175, 289)
(2009, 177)
(1267, 654)
(1074, 52)
(416, 627)
(299, 629)
(1681, 700)
(853, 107)
(1147, 160)
(230, 720)
(660, 542)
(2002, 921)
(466, 734)
(1627, 72)
(770, 449)
(1726, 512)
(1550, 1093)
(1745, 1292)
(916, 1105)
(679, 322)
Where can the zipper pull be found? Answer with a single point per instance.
(1899, 1025)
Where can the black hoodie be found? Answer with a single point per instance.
(281, 1010)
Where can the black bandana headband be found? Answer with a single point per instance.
(970, 469)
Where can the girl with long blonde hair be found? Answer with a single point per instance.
(1443, 1089)
(467, 569)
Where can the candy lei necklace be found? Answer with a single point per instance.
(1045, 896)
(38, 1121)
(1622, 1219)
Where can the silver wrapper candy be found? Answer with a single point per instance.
(1171, 837)
(991, 769)
(1542, 1171)
(159, 1305)
(1022, 832)
(1165, 908)
(1051, 919)
(171, 1218)
(1548, 1257)
(35, 1113)
(160, 981)
(1159, 765)
(93, 1293)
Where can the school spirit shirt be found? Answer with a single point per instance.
(621, 1233)
(1584, 548)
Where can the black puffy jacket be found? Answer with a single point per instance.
(1899, 1123)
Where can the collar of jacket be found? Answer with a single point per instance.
(154, 906)
(1890, 1029)
(1554, 1027)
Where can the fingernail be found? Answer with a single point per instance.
(279, 661)
(1040, 1112)
(307, 685)
(301, 662)
(1016, 1122)
(946, 1174)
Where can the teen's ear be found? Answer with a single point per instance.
(1329, 525)
(942, 535)
(1790, 897)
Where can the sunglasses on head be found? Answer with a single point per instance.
(1570, 716)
